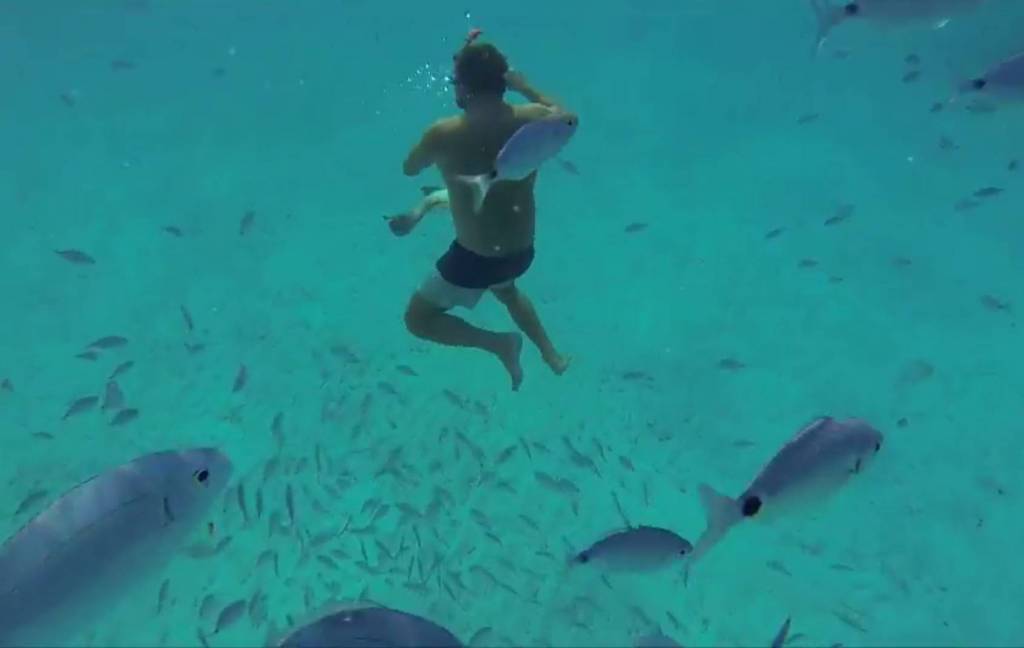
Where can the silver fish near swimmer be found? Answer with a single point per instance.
(641, 548)
(897, 13)
(371, 626)
(90, 547)
(809, 468)
(529, 147)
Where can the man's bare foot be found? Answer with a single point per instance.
(508, 352)
(558, 362)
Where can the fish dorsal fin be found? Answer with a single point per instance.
(814, 425)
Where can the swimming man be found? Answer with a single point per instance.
(494, 247)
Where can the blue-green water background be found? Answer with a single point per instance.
(690, 123)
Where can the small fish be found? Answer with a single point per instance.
(987, 192)
(912, 59)
(937, 107)
(80, 405)
(241, 378)
(946, 144)
(75, 256)
(993, 303)
(965, 204)
(641, 548)
(1004, 80)
(121, 65)
(69, 98)
(780, 637)
(731, 364)
(120, 369)
(242, 506)
(6, 385)
(113, 397)
(843, 214)
(529, 147)
(229, 615)
(406, 370)
(46, 436)
(911, 76)
(1012, 165)
(246, 223)
(162, 595)
(568, 167)
(656, 640)
(187, 316)
(632, 228)
(289, 501)
(30, 501)
(108, 342)
(817, 461)
(259, 503)
(808, 263)
(87, 355)
(774, 233)
(124, 417)
(172, 230)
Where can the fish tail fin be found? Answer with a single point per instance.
(722, 514)
(480, 184)
(828, 17)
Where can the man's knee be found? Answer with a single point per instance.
(418, 313)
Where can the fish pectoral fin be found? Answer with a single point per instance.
(168, 513)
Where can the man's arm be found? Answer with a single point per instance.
(517, 82)
(423, 154)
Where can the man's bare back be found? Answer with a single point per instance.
(468, 145)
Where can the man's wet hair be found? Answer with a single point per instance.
(481, 69)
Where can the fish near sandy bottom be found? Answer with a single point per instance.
(370, 626)
(896, 13)
(808, 469)
(80, 556)
(637, 549)
(533, 144)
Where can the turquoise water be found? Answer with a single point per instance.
(142, 132)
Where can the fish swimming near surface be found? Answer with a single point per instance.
(529, 147)
(641, 548)
(77, 558)
(896, 13)
(1003, 81)
(809, 468)
(370, 626)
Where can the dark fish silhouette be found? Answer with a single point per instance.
(83, 404)
(75, 256)
(371, 626)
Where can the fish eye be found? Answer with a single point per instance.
(751, 506)
(878, 446)
(979, 83)
(201, 475)
(851, 9)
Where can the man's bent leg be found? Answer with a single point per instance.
(429, 321)
(525, 316)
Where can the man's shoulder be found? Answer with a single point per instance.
(531, 111)
(445, 125)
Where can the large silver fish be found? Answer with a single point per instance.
(75, 559)
(642, 548)
(899, 13)
(1003, 81)
(529, 147)
(370, 626)
(809, 468)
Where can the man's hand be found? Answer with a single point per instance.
(402, 224)
(516, 81)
